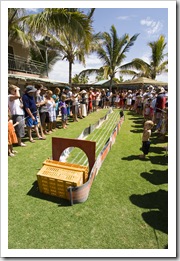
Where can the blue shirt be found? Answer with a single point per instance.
(29, 102)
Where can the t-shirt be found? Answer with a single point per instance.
(43, 108)
(29, 102)
(160, 102)
(63, 107)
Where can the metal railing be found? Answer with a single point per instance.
(21, 64)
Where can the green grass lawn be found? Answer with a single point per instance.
(127, 204)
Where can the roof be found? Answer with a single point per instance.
(36, 79)
(102, 82)
(144, 80)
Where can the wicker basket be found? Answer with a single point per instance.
(68, 166)
(55, 177)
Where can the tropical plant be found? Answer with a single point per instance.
(112, 51)
(45, 54)
(156, 66)
(69, 29)
(17, 29)
(80, 79)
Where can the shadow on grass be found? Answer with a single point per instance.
(162, 160)
(133, 157)
(157, 150)
(157, 203)
(136, 131)
(156, 177)
(34, 192)
(155, 138)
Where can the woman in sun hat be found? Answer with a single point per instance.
(83, 103)
(160, 103)
(129, 99)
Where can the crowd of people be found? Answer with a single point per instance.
(39, 108)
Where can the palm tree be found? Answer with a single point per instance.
(69, 29)
(72, 27)
(157, 63)
(17, 29)
(112, 51)
(45, 54)
(80, 79)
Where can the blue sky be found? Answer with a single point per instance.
(149, 23)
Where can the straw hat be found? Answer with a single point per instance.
(83, 91)
(161, 90)
(150, 87)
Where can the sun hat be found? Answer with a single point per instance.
(43, 88)
(161, 90)
(151, 87)
(83, 91)
(30, 88)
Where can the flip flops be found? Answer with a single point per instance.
(41, 138)
(32, 141)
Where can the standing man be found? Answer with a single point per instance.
(30, 111)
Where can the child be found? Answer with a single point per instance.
(148, 125)
(12, 138)
(63, 108)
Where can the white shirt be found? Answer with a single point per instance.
(15, 106)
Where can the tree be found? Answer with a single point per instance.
(112, 52)
(157, 63)
(46, 54)
(17, 29)
(80, 79)
(69, 29)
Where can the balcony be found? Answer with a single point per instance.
(20, 64)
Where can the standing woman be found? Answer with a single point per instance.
(56, 96)
(90, 106)
(16, 109)
(51, 108)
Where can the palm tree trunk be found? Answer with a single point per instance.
(70, 72)
(110, 85)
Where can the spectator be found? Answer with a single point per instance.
(107, 101)
(160, 103)
(51, 106)
(56, 97)
(12, 138)
(31, 112)
(68, 92)
(90, 101)
(63, 107)
(117, 99)
(83, 102)
(17, 113)
(129, 99)
(43, 110)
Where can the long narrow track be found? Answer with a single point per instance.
(100, 136)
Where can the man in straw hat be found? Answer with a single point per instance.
(160, 103)
(31, 111)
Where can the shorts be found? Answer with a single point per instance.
(44, 116)
(145, 147)
(64, 117)
(30, 122)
